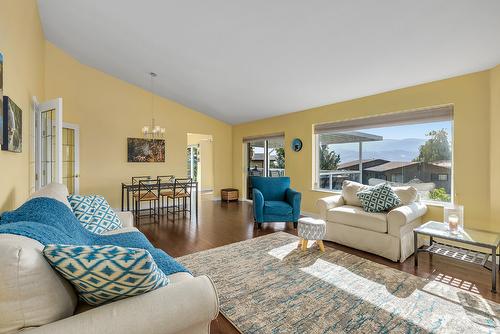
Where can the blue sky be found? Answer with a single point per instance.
(409, 131)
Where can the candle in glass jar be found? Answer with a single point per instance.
(453, 223)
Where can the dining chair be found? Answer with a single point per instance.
(166, 183)
(182, 191)
(148, 191)
(135, 187)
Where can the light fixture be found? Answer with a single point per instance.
(153, 131)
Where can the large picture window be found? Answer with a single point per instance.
(411, 148)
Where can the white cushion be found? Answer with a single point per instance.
(126, 217)
(355, 216)
(407, 194)
(349, 191)
(31, 292)
(56, 191)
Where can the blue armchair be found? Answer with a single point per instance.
(274, 201)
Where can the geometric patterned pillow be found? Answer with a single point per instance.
(94, 212)
(102, 274)
(378, 198)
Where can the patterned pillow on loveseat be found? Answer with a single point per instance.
(94, 213)
(378, 198)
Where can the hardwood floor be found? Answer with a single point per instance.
(223, 223)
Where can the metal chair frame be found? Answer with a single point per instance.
(182, 190)
(164, 178)
(149, 191)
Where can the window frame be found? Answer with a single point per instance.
(445, 112)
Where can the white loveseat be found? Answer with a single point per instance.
(35, 299)
(388, 234)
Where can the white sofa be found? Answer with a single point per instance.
(388, 234)
(35, 299)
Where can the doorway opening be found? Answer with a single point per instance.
(200, 160)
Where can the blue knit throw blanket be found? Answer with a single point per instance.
(51, 222)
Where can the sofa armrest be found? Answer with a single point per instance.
(293, 198)
(403, 215)
(326, 203)
(174, 308)
(258, 205)
(126, 218)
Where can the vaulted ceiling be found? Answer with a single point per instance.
(241, 60)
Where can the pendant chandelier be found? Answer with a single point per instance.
(153, 131)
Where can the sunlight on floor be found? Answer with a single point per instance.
(436, 304)
(283, 251)
(456, 282)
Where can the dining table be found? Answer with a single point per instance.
(128, 188)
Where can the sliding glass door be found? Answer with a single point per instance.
(265, 157)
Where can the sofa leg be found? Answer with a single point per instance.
(259, 226)
(294, 224)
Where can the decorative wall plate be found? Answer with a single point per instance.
(296, 144)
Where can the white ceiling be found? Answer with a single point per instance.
(244, 60)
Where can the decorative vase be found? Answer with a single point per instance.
(454, 217)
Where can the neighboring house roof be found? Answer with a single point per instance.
(348, 137)
(442, 163)
(390, 165)
(353, 163)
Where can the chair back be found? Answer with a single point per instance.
(272, 188)
(148, 188)
(136, 179)
(183, 186)
(166, 178)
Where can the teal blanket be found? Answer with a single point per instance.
(51, 222)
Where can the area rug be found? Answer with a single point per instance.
(267, 285)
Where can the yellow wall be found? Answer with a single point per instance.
(22, 44)
(470, 95)
(495, 144)
(109, 110)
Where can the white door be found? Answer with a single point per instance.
(48, 143)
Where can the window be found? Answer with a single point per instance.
(410, 148)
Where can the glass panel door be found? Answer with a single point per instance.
(256, 162)
(70, 159)
(276, 157)
(265, 157)
(48, 143)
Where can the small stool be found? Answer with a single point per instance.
(311, 229)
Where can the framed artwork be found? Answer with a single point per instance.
(1, 98)
(145, 150)
(12, 126)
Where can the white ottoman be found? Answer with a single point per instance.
(311, 229)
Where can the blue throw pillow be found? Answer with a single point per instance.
(378, 198)
(95, 213)
(103, 274)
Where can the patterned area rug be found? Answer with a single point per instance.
(267, 285)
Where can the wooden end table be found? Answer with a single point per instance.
(476, 238)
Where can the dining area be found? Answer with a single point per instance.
(162, 196)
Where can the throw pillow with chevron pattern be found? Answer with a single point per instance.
(378, 198)
(103, 274)
(95, 213)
